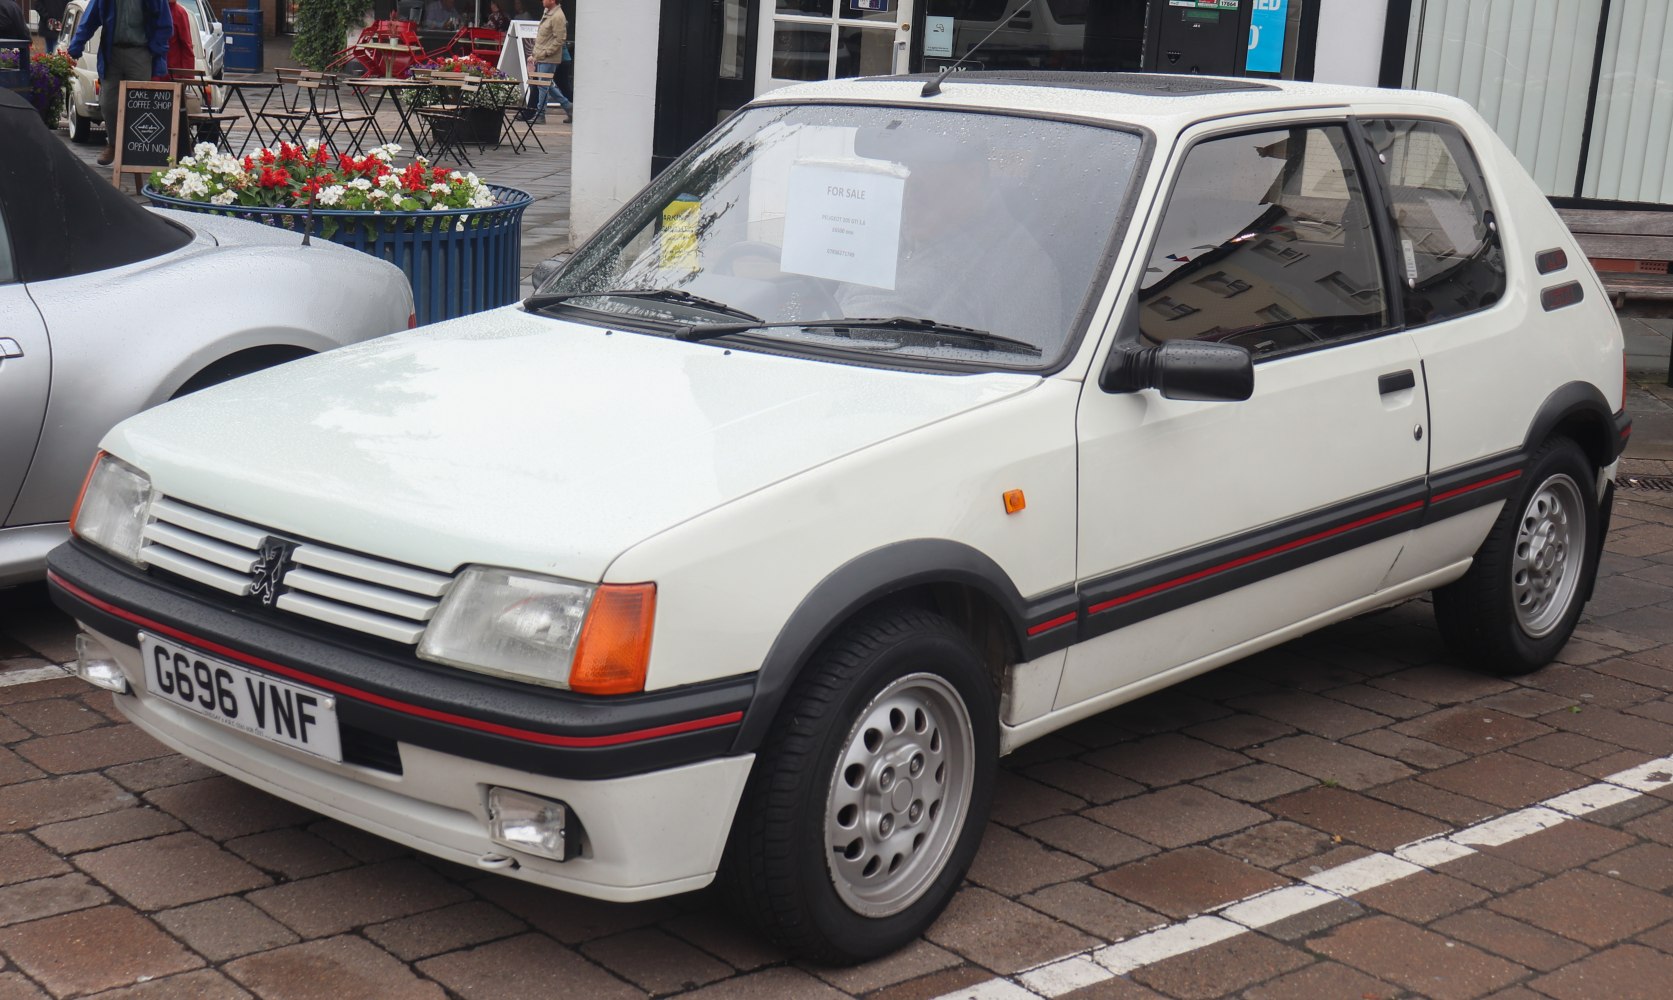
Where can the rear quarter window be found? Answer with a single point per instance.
(1446, 240)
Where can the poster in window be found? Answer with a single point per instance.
(1267, 20)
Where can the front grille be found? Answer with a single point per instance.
(353, 591)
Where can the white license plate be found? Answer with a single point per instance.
(251, 702)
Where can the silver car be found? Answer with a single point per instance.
(107, 308)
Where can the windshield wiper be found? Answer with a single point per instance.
(939, 333)
(535, 303)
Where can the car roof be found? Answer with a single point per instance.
(1159, 101)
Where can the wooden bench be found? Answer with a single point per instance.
(1631, 250)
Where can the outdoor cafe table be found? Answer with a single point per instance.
(364, 89)
(241, 91)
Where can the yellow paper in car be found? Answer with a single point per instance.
(680, 220)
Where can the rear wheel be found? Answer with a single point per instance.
(81, 128)
(1520, 601)
(868, 800)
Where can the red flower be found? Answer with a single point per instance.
(249, 163)
(274, 178)
(268, 158)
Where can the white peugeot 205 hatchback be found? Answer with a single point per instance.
(891, 428)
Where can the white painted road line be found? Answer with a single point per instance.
(1073, 972)
(12, 678)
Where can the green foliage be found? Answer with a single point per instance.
(322, 29)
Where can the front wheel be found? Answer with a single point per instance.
(1520, 601)
(868, 800)
(81, 128)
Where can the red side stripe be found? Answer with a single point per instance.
(1200, 574)
(1449, 494)
(526, 735)
(1054, 623)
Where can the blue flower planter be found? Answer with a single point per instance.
(16, 76)
(453, 271)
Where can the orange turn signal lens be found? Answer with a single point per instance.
(75, 511)
(1014, 501)
(615, 644)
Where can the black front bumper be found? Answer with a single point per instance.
(388, 696)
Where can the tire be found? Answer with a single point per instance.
(868, 799)
(1518, 605)
(81, 128)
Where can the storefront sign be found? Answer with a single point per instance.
(147, 128)
(843, 224)
(1267, 21)
(938, 36)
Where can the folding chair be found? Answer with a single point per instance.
(446, 122)
(334, 118)
(519, 117)
(295, 110)
(208, 123)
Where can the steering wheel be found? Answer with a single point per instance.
(803, 295)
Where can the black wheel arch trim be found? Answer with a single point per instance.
(1036, 626)
(401, 696)
(1580, 402)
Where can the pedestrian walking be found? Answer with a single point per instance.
(133, 45)
(52, 21)
(550, 44)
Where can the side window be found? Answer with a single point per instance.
(1266, 242)
(1451, 260)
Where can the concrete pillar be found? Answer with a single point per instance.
(615, 108)
(1350, 41)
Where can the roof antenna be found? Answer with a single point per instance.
(933, 87)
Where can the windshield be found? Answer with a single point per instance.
(809, 213)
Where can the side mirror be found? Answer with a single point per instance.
(1182, 369)
(544, 270)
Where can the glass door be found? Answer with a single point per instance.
(831, 39)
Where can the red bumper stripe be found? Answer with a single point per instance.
(1201, 574)
(1054, 623)
(1471, 488)
(526, 735)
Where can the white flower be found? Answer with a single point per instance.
(438, 188)
(174, 176)
(203, 150)
(456, 176)
(224, 198)
(377, 196)
(388, 151)
(313, 146)
(389, 181)
(187, 161)
(361, 184)
(194, 186)
(330, 195)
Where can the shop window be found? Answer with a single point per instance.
(1445, 236)
(1280, 215)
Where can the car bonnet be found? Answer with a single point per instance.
(516, 440)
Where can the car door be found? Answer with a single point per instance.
(1205, 525)
(25, 376)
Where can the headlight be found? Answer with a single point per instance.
(547, 631)
(112, 508)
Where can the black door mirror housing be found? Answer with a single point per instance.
(1182, 369)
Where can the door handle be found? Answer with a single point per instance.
(9, 348)
(1395, 381)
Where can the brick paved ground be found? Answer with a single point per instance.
(127, 871)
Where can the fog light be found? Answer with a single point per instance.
(531, 824)
(96, 666)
